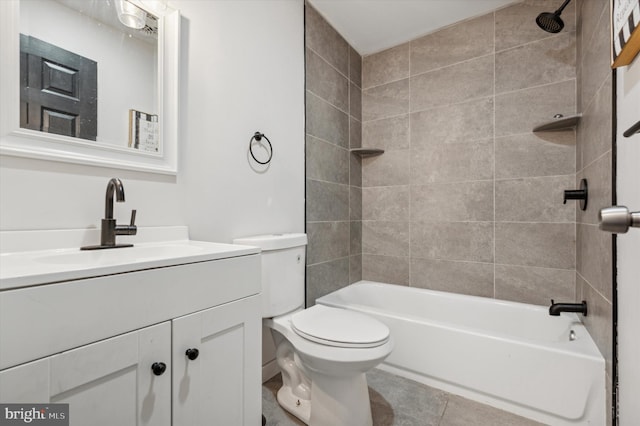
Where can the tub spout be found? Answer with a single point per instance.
(556, 308)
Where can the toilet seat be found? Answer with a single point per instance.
(339, 327)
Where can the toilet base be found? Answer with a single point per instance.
(336, 402)
(340, 401)
(301, 408)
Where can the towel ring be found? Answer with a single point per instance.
(258, 137)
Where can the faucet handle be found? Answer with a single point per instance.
(133, 217)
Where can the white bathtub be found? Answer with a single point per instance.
(509, 355)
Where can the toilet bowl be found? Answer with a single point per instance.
(323, 367)
(323, 352)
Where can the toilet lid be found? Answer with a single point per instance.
(339, 327)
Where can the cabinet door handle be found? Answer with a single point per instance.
(158, 368)
(192, 353)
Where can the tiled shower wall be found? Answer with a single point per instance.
(333, 179)
(466, 198)
(593, 162)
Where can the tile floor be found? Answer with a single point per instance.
(396, 401)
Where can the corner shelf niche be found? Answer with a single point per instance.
(559, 123)
(367, 152)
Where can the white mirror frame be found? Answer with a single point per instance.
(15, 141)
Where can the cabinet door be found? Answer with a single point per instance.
(221, 386)
(106, 383)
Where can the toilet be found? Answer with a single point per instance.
(323, 352)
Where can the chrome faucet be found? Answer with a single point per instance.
(109, 227)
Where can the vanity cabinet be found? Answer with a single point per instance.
(221, 385)
(120, 381)
(93, 343)
(105, 383)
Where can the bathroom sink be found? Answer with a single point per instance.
(27, 268)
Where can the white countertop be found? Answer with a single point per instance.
(35, 267)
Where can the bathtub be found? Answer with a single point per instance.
(509, 355)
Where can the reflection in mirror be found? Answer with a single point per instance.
(86, 75)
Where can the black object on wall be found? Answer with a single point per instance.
(551, 22)
(581, 194)
(257, 137)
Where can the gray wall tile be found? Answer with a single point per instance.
(579, 46)
(456, 83)
(590, 13)
(452, 202)
(355, 102)
(325, 161)
(392, 168)
(355, 133)
(594, 247)
(542, 62)
(326, 82)
(470, 241)
(326, 41)
(355, 170)
(386, 66)
(594, 129)
(327, 201)
(439, 154)
(536, 154)
(325, 121)
(355, 203)
(538, 199)
(518, 112)
(385, 101)
(460, 42)
(387, 133)
(599, 177)
(456, 277)
(452, 162)
(594, 260)
(390, 203)
(323, 278)
(355, 67)
(548, 245)
(534, 285)
(453, 123)
(385, 238)
(355, 269)
(596, 61)
(386, 269)
(355, 237)
(516, 25)
(327, 241)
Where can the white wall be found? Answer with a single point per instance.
(243, 70)
(628, 245)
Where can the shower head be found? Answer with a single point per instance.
(551, 22)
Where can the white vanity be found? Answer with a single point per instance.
(165, 332)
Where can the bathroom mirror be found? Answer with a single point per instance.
(102, 93)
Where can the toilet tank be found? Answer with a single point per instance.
(283, 271)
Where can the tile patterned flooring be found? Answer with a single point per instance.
(396, 401)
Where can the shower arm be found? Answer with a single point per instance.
(561, 8)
